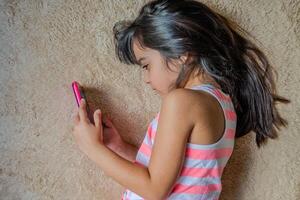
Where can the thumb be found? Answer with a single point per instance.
(97, 118)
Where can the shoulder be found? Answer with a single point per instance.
(179, 99)
(187, 99)
(182, 95)
(195, 106)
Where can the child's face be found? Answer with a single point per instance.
(156, 73)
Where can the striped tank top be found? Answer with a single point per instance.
(200, 176)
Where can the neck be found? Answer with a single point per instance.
(200, 79)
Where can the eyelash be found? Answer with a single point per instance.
(145, 66)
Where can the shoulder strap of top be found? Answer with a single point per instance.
(218, 93)
(223, 98)
(228, 109)
(230, 117)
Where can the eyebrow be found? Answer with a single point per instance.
(139, 61)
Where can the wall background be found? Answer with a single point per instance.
(45, 45)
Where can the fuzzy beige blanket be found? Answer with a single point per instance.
(45, 45)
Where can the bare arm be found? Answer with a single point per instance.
(126, 150)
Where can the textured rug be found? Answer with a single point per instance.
(45, 45)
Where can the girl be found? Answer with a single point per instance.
(215, 86)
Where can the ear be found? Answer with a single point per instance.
(185, 59)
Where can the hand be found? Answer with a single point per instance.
(87, 135)
(111, 136)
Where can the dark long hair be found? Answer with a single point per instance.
(219, 48)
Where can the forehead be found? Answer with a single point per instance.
(138, 50)
(144, 52)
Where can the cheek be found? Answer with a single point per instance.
(161, 81)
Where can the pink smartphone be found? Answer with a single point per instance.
(78, 92)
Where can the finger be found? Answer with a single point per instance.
(98, 118)
(82, 111)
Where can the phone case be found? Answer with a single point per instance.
(78, 92)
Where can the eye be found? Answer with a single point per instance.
(145, 66)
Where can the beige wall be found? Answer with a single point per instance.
(46, 45)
